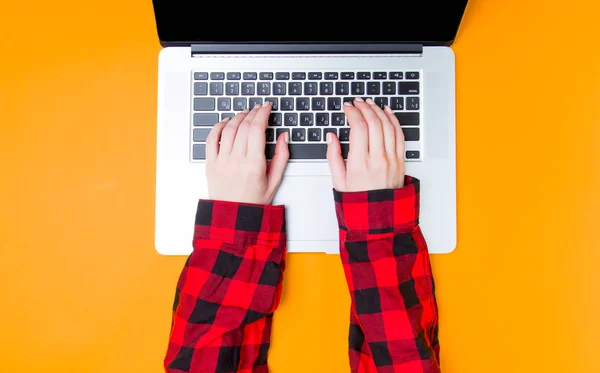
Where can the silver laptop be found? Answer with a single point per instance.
(307, 61)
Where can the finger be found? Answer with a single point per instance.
(399, 133)
(241, 138)
(212, 141)
(257, 137)
(359, 135)
(374, 127)
(278, 163)
(230, 131)
(389, 137)
(336, 162)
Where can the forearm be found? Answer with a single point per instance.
(386, 263)
(228, 290)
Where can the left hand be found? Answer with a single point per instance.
(236, 166)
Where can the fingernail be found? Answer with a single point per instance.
(328, 138)
(370, 102)
(359, 99)
(388, 109)
(256, 106)
(347, 103)
(226, 120)
(286, 137)
(245, 111)
(267, 103)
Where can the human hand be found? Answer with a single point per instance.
(376, 155)
(236, 169)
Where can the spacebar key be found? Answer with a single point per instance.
(306, 151)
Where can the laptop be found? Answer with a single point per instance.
(307, 61)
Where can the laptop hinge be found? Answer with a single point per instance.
(207, 49)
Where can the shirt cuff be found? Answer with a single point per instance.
(379, 211)
(236, 222)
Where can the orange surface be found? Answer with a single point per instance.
(82, 289)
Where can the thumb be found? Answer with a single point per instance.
(336, 162)
(278, 163)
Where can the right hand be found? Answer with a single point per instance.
(376, 155)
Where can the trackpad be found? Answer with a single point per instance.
(310, 213)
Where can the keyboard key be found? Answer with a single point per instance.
(326, 88)
(318, 103)
(412, 75)
(200, 89)
(307, 119)
(315, 76)
(348, 76)
(408, 88)
(204, 104)
(396, 75)
(200, 134)
(223, 104)
(389, 88)
(373, 88)
(227, 115)
(358, 88)
(205, 119)
(298, 135)
(331, 76)
(310, 88)
(411, 134)
(286, 104)
(327, 130)
(253, 101)
(397, 103)
(342, 88)
(279, 89)
(306, 151)
(379, 75)
(349, 99)
(216, 89)
(248, 89)
(334, 103)
(250, 76)
(232, 88)
(280, 131)
(270, 135)
(282, 76)
(303, 103)
(264, 89)
(363, 75)
(298, 76)
(199, 151)
(412, 103)
(322, 119)
(314, 134)
(265, 76)
(413, 154)
(274, 102)
(290, 119)
(295, 89)
(338, 119)
(382, 102)
(408, 119)
(217, 76)
(201, 76)
(234, 76)
(275, 120)
(240, 103)
(345, 134)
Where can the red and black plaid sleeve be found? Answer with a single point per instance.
(394, 319)
(228, 290)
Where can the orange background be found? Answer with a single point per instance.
(82, 289)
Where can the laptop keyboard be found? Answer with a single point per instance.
(307, 104)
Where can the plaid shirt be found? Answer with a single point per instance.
(231, 285)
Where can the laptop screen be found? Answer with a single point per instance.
(417, 21)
